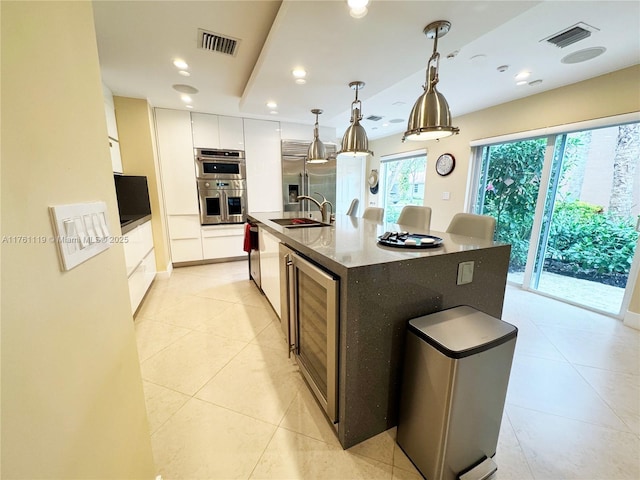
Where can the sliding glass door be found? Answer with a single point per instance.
(569, 205)
(588, 235)
(509, 185)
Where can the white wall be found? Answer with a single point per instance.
(72, 400)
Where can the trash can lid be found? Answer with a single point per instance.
(462, 331)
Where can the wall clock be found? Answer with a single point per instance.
(445, 164)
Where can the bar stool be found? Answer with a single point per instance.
(471, 225)
(414, 216)
(353, 208)
(374, 213)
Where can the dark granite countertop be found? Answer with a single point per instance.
(352, 242)
(129, 222)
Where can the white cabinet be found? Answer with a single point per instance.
(175, 149)
(205, 130)
(141, 263)
(231, 133)
(217, 131)
(112, 130)
(264, 165)
(185, 238)
(223, 241)
(270, 267)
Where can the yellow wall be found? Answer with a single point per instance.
(136, 133)
(608, 95)
(72, 400)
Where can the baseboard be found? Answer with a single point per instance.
(166, 273)
(632, 319)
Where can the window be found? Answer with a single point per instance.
(402, 179)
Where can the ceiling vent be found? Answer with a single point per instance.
(215, 42)
(570, 35)
(373, 118)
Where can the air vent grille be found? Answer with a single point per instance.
(215, 42)
(374, 118)
(570, 35)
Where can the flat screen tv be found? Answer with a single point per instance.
(133, 197)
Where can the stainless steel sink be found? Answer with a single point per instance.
(297, 222)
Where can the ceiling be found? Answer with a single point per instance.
(138, 41)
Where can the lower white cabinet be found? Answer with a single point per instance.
(185, 238)
(270, 267)
(223, 241)
(141, 263)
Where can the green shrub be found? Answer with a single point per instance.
(589, 239)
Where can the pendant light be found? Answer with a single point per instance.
(355, 141)
(430, 117)
(317, 152)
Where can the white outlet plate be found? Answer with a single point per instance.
(81, 231)
(465, 273)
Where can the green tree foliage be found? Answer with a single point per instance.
(511, 192)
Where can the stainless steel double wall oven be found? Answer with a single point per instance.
(222, 186)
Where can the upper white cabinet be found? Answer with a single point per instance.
(205, 130)
(112, 130)
(217, 131)
(175, 149)
(264, 165)
(231, 133)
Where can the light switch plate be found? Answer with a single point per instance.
(81, 232)
(465, 273)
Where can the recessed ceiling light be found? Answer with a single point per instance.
(396, 120)
(523, 75)
(189, 106)
(521, 82)
(181, 64)
(272, 105)
(478, 59)
(186, 98)
(385, 124)
(184, 88)
(273, 112)
(300, 81)
(358, 8)
(583, 55)
(184, 73)
(535, 82)
(299, 73)
(503, 68)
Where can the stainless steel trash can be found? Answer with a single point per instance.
(456, 371)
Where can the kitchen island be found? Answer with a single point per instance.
(380, 289)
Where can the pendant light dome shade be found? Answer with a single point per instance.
(354, 141)
(317, 151)
(430, 117)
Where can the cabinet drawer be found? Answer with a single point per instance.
(223, 231)
(141, 279)
(186, 250)
(184, 227)
(223, 247)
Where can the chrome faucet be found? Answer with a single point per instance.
(322, 206)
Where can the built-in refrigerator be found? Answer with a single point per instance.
(301, 178)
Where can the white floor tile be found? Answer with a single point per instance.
(189, 363)
(561, 448)
(204, 441)
(258, 382)
(293, 456)
(572, 407)
(557, 388)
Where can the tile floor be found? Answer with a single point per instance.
(224, 401)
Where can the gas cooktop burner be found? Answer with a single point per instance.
(409, 240)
